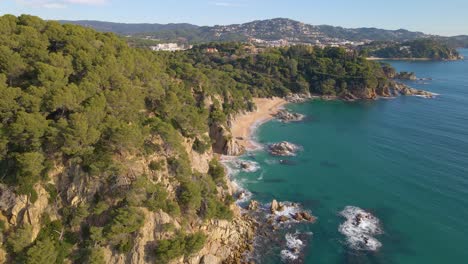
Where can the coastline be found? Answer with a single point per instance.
(243, 125)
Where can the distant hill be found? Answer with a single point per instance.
(416, 49)
(129, 29)
(270, 29)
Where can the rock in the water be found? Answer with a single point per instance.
(253, 205)
(304, 216)
(282, 219)
(298, 217)
(274, 206)
(308, 217)
(248, 166)
(282, 149)
(403, 89)
(285, 116)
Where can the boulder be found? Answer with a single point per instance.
(274, 206)
(285, 116)
(298, 217)
(282, 149)
(253, 205)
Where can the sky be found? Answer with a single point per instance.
(448, 17)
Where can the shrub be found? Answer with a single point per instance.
(20, 239)
(201, 145)
(189, 195)
(216, 171)
(178, 246)
(156, 165)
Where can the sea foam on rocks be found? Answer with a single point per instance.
(360, 228)
(248, 166)
(294, 247)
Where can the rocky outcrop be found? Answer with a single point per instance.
(298, 98)
(286, 117)
(226, 242)
(200, 161)
(223, 141)
(304, 216)
(282, 149)
(274, 206)
(253, 205)
(410, 76)
(20, 210)
(403, 89)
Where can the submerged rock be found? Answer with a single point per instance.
(282, 149)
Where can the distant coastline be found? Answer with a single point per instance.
(407, 59)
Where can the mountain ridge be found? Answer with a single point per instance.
(267, 29)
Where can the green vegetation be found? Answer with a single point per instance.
(178, 246)
(421, 48)
(81, 107)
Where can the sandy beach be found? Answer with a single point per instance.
(244, 125)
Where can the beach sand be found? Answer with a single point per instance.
(244, 125)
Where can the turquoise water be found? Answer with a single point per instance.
(405, 160)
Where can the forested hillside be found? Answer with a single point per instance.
(421, 48)
(99, 140)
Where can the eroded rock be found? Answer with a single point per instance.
(282, 149)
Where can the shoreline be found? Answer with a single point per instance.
(244, 125)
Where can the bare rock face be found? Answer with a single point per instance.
(233, 148)
(210, 259)
(22, 211)
(282, 149)
(224, 143)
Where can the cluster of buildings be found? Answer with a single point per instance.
(318, 43)
(170, 47)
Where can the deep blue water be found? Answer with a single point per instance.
(404, 160)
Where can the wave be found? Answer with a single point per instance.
(360, 228)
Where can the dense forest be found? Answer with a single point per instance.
(97, 132)
(421, 48)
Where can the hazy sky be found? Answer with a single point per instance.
(449, 17)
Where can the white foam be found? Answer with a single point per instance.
(288, 255)
(360, 228)
(261, 176)
(293, 249)
(247, 165)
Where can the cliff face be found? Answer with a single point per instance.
(224, 143)
(226, 240)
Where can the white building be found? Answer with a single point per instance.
(167, 47)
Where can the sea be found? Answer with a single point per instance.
(402, 163)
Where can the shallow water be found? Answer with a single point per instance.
(404, 160)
